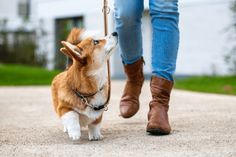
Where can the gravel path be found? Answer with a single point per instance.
(203, 125)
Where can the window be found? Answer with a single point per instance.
(63, 27)
(24, 8)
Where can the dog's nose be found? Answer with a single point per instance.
(114, 34)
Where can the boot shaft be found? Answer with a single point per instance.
(158, 121)
(134, 72)
(129, 104)
(160, 88)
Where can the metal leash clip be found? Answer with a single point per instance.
(84, 100)
(106, 108)
(106, 8)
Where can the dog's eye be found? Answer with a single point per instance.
(96, 42)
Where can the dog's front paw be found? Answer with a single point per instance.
(74, 133)
(95, 136)
(94, 132)
(70, 121)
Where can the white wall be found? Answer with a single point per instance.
(8, 9)
(203, 38)
(202, 23)
(203, 41)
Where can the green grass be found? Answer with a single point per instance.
(208, 84)
(17, 75)
(24, 75)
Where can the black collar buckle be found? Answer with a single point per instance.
(97, 108)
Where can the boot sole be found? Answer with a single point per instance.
(157, 132)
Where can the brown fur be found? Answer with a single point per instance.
(76, 76)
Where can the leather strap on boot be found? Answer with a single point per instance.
(129, 104)
(158, 122)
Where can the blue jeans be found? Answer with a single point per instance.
(165, 40)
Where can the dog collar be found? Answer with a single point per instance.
(84, 99)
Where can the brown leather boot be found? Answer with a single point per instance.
(129, 104)
(158, 123)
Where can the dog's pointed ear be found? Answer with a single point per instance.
(65, 52)
(74, 51)
(74, 36)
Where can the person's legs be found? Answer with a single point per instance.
(165, 17)
(128, 15)
(165, 42)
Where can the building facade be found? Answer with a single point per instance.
(203, 24)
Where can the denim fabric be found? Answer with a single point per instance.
(165, 40)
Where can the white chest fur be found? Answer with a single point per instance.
(89, 115)
(100, 75)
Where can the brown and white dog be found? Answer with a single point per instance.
(80, 93)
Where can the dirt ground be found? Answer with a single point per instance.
(203, 125)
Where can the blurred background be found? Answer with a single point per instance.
(31, 31)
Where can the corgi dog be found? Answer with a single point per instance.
(80, 93)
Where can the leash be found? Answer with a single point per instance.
(106, 11)
(84, 97)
